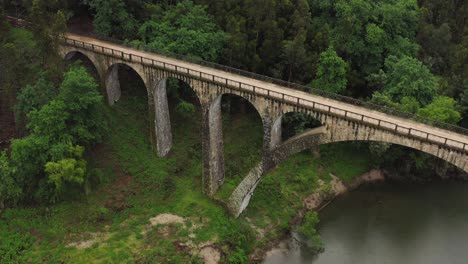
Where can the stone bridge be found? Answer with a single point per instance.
(340, 121)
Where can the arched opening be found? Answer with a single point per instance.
(78, 57)
(242, 138)
(297, 177)
(302, 173)
(123, 83)
(126, 91)
(296, 123)
(185, 115)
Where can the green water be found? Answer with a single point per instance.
(417, 224)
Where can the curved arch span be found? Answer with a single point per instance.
(88, 61)
(112, 81)
(331, 134)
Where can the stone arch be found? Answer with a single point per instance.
(112, 82)
(255, 137)
(339, 130)
(162, 83)
(74, 53)
(309, 119)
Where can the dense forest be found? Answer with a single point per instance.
(411, 55)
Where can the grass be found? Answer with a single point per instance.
(243, 139)
(136, 185)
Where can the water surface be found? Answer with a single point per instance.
(388, 223)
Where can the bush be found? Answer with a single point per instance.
(308, 229)
(12, 245)
(238, 256)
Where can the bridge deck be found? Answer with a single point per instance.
(413, 128)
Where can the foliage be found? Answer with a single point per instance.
(18, 51)
(296, 123)
(238, 256)
(185, 29)
(48, 159)
(442, 109)
(10, 191)
(185, 109)
(79, 92)
(71, 170)
(112, 19)
(48, 24)
(331, 73)
(13, 245)
(308, 229)
(33, 97)
(408, 77)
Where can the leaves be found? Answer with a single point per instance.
(331, 73)
(10, 189)
(112, 19)
(442, 109)
(68, 170)
(184, 29)
(408, 77)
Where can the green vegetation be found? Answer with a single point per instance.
(79, 182)
(48, 162)
(184, 29)
(331, 72)
(308, 229)
(135, 186)
(243, 139)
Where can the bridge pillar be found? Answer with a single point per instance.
(113, 85)
(271, 140)
(162, 121)
(213, 148)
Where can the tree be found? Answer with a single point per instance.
(331, 73)
(112, 19)
(49, 160)
(33, 97)
(294, 55)
(18, 51)
(184, 29)
(85, 107)
(408, 77)
(10, 190)
(365, 32)
(69, 170)
(50, 121)
(29, 155)
(308, 229)
(48, 24)
(442, 109)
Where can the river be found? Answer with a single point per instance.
(391, 223)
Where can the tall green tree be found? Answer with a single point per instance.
(112, 19)
(34, 97)
(74, 117)
(48, 24)
(408, 77)
(185, 29)
(331, 73)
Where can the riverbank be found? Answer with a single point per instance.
(326, 194)
(319, 199)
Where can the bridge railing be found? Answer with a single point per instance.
(300, 102)
(297, 101)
